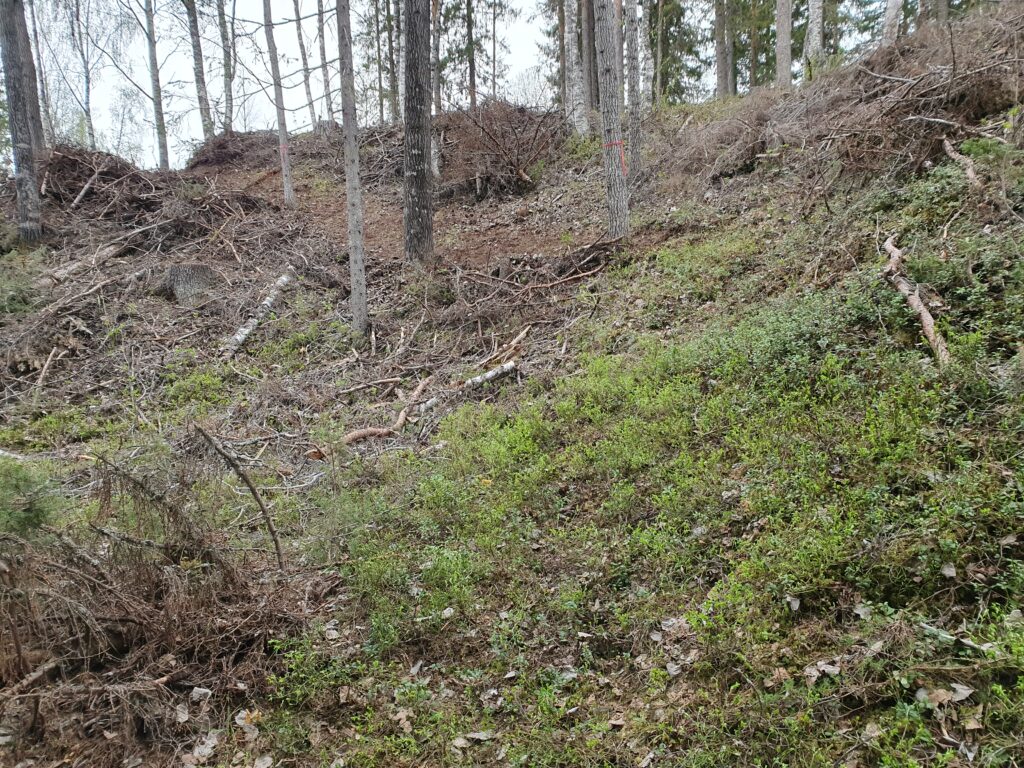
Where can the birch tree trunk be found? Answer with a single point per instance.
(31, 81)
(471, 54)
(814, 42)
(783, 43)
(636, 101)
(353, 188)
(282, 120)
(418, 202)
(891, 23)
(304, 59)
(19, 109)
(199, 68)
(156, 93)
(435, 54)
(646, 54)
(80, 41)
(575, 108)
(324, 71)
(44, 90)
(721, 51)
(227, 44)
(401, 43)
(611, 119)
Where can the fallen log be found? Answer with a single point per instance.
(964, 162)
(893, 272)
(476, 381)
(232, 345)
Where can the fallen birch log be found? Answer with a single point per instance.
(893, 272)
(232, 345)
(477, 381)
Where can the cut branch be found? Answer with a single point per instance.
(367, 432)
(238, 339)
(893, 272)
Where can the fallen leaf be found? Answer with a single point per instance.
(948, 570)
(181, 713)
(205, 748)
(793, 603)
(961, 692)
(673, 669)
(461, 743)
(862, 611)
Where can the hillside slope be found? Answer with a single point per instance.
(721, 504)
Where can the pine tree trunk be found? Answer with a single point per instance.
(324, 71)
(353, 188)
(783, 43)
(575, 108)
(156, 93)
(563, 88)
(636, 100)
(227, 44)
(198, 68)
(435, 54)
(282, 120)
(304, 60)
(659, 54)
(620, 49)
(494, 50)
(19, 109)
(814, 41)
(380, 60)
(389, 24)
(418, 201)
(401, 45)
(730, 49)
(721, 51)
(755, 44)
(471, 54)
(44, 90)
(891, 23)
(587, 54)
(611, 119)
(31, 81)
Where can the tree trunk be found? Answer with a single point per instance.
(659, 54)
(31, 82)
(611, 120)
(783, 43)
(755, 43)
(19, 110)
(471, 54)
(304, 60)
(282, 120)
(620, 49)
(353, 188)
(199, 68)
(227, 44)
(324, 71)
(419, 207)
(156, 94)
(563, 88)
(575, 108)
(646, 54)
(891, 23)
(401, 44)
(494, 50)
(435, 54)
(730, 48)
(814, 42)
(587, 52)
(636, 101)
(721, 52)
(389, 24)
(940, 9)
(380, 60)
(79, 40)
(44, 90)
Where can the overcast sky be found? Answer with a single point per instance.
(254, 108)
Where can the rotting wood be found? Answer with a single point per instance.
(232, 345)
(366, 433)
(893, 272)
(268, 519)
(964, 162)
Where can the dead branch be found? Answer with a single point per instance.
(238, 338)
(29, 680)
(367, 432)
(268, 519)
(893, 272)
(964, 162)
(476, 381)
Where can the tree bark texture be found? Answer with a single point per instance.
(282, 120)
(611, 119)
(156, 93)
(783, 43)
(418, 201)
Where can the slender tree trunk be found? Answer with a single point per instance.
(90, 128)
(620, 48)
(353, 188)
(44, 90)
(389, 23)
(494, 50)
(79, 42)
(891, 23)
(401, 44)
(19, 109)
(282, 120)
(377, 31)
(646, 54)
(471, 54)
(418, 202)
(940, 8)
(31, 82)
(730, 48)
(435, 53)
(636, 100)
(156, 92)
(783, 43)
(563, 87)
(755, 43)
(227, 44)
(814, 41)
(659, 89)
(587, 49)
(199, 68)
(611, 119)
(324, 71)
(304, 60)
(721, 51)
(575, 107)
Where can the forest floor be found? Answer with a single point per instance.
(719, 502)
